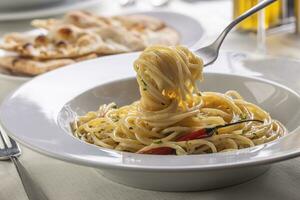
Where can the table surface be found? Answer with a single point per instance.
(65, 181)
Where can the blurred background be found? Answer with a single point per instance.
(275, 31)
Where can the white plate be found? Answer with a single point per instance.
(21, 4)
(38, 115)
(46, 11)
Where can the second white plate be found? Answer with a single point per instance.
(49, 10)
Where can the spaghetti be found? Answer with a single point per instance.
(173, 116)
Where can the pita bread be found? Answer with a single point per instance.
(81, 19)
(120, 37)
(86, 57)
(31, 67)
(166, 36)
(65, 41)
(12, 41)
(84, 19)
(119, 33)
(80, 35)
(45, 23)
(140, 22)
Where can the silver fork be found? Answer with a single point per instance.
(210, 53)
(11, 150)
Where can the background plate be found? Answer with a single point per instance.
(49, 10)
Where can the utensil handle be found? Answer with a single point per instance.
(32, 190)
(245, 15)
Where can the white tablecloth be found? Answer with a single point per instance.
(64, 181)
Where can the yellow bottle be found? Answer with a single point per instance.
(273, 14)
(297, 15)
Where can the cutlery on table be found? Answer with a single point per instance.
(11, 150)
(210, 53)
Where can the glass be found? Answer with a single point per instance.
(261, 32)
(272, 15)
(297, 16)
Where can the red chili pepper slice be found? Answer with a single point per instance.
(202, 133)
(199, 134)
(160, 151)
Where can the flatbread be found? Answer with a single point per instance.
(87, 20)
(121, 38)
(84, 19)
(81, 19)
(65, 41)
(12, 41)
(80, 35)
(32, 67)
(119, 33)
(46, 24)
(140, 22)
(166, 36)
(86, 57)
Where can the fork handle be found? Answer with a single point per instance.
(32, 190)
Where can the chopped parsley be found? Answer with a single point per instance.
(157, 142)
(243, 116)
(145, 84)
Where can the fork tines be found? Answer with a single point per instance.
(9, 147)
